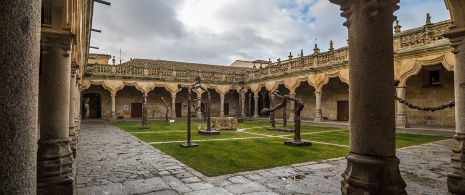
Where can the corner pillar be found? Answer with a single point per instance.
(372, 165)
(20, 40)
(72, 126)
(55, 162)
(318, 113)
(401, 118)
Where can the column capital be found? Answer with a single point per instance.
(370, 9)
(456, 38)
(56, 38)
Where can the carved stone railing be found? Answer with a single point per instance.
(425, 35)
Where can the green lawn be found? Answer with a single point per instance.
(259, 149)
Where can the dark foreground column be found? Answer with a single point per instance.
(456, 179)
(19, 81)
(372, 165)
(55, 159)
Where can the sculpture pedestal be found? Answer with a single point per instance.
(188, 145)
(224, 123)
(280, 129)
(298, 143)
(205, 132)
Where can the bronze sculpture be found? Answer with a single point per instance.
(167, 110)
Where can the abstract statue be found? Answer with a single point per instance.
(297, 141)
(167, 122)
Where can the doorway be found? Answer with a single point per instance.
(343, 110)
(178, 108)
(91, 105)
(226, 109)
(136, 110)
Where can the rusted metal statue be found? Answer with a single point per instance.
(189, 143)
(202, 107)
(144, 113)
(272, 118)
(167, 122)
(208, 130)
(297, 141)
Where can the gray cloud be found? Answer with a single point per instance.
(239, 29)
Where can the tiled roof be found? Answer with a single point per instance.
(187, 66)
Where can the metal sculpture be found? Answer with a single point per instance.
(144, 113)
(297, 141)
(167, 122)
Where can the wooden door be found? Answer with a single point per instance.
(178, 108)
(343, 110)
(136, 110)
(226, 109)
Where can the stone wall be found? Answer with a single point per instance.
(306, 93)
(334, 91)
(421, 94)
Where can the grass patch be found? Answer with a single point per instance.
(218, 157)
(215, 158)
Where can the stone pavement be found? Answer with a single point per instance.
(111, 161)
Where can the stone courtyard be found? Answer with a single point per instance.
(112, 161)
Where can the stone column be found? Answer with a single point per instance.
(372, 165)
(255, 113)
(318, 113)
(222, 105)
(243, 106)
(19, 56)
(291, 115)
(401, 118)
(173, 106)
(72, 132)
(199, 104)
(55, 161)
(456, 179)
(113, 106)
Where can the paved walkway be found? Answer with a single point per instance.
(111, 161)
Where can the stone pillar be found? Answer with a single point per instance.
(113, 106)
(199, 104)
(291, 115)
(318, 113)
(72, 132)
(243, 106)
(173, 106)
(255, 113)
(19, 56)
(401, 118)
(222, 105)
(55, 161)
(456, 179)
(372, 165)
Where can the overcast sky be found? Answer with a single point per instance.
(222, 31)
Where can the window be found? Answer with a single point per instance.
(434, 78)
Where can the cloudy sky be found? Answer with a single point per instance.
(222, 31)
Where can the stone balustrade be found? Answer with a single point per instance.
(425, 35)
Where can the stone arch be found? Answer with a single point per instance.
(414, 68)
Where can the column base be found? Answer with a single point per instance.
(255, 116)
(189, 145)
(318, 119)
(372, 175)
(456, 179)
(318, 116)
(401, 121)
(113, 116)
(55, 167)
(73, 143)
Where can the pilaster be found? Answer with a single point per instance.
(372, 165)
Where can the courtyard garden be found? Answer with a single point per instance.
(252, 146)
